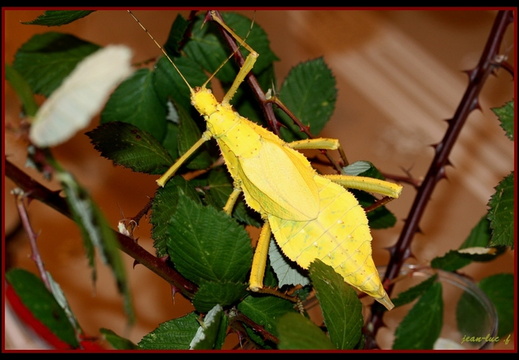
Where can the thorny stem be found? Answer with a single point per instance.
(477, 77)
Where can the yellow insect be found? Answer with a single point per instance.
(311, 216)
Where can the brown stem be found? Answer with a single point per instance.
(35, 190)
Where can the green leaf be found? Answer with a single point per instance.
(298, 333)
(168, 83)
(310, 94)
(58, 17)
(118, 342)
(472, 316)
(135, 101)
(411, 294)
(265, 311)
(340, 305)
(188, 135)
(207, 48)
(175, 334)
(224, 293)
(500, 290)
(220, 186)
(97, 233)
(22, 89)
(128, 146)
(176, 36)
(501, 213)
(211, 334)
(208, 245)
(479, 237)
(47, 59)
(421, 327)
(42, 304)
(164, 207)
(381, 217)
(505, 114)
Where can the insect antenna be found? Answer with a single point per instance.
(162, 49)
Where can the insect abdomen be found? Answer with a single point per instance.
(339, 236)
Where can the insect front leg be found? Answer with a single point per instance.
(173, 169)
(247, 65)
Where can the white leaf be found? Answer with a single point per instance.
(81, 96)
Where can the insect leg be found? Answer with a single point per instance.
(259, 261)
(247, 65)
(231, 200)
(171, 171)
(367, 184)
(318, 143)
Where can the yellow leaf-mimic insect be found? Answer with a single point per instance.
(311, 216)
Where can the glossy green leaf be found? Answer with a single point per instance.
(176, 36)
(411, 294)
(421, 327)
(224, 293)
(299, 333)
(168, 83)
(208, 245)
(135, 101)
(174, 334)
(501, 213)
(42, 304)
(210, 51)
(479, 237)
(128, 146)
(45, 60)
(219, 186)
(188, 135)
(58, 17)
(310, 94)
(265, 311)
(164, 207)
(340, 305)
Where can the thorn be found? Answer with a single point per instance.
(475, 105)
(471, 73)
(391, 249)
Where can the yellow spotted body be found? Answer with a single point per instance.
(311, 216)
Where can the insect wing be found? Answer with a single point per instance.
(80, 96)
(281, 180)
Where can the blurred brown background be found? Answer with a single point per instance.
(399, 75)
